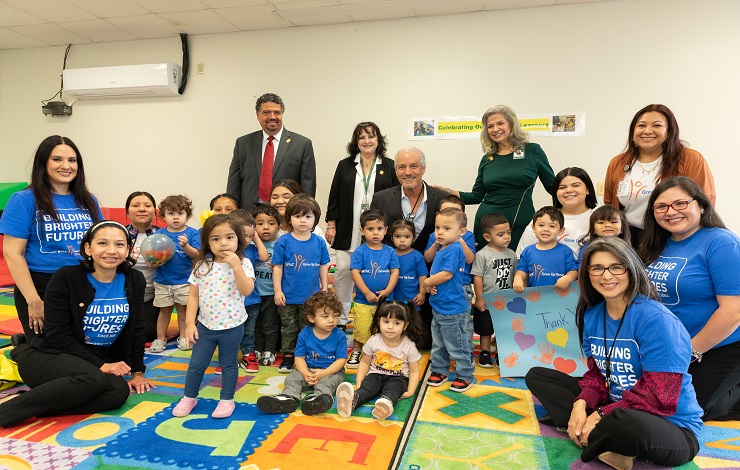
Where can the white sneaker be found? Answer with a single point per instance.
(383, 408)
(345, 399)
(157, 346)
(183, 345)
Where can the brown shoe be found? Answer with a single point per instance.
(618, 461)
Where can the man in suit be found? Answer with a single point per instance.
(418, 202)
(269, 155)
(413, 199)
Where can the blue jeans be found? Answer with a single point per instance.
(451, 341)
(228, 351)
(247, 345)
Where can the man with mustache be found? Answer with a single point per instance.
(271, 154)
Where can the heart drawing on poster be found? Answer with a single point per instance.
(517, 305)
(558, 337)
(524, 341)
(566, 366)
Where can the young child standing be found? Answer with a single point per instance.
(300, 268)
(452, 329)
(493, 270)
(320, 354)
(374, 268)
(222, 277)
(605, 221)
(547, 262)
(413, 270)
(171, 286)
(254, 252)
(267, 330)
(467, 242)
(390, 362)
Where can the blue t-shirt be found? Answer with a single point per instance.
(263, 273)
(321, 353)
(301, 261)
(651, 339)
(450, 298)
(177, 270)
(581, 251)
(108, 313)
(250, 252)
(51, 244)
(545, 267)
(691, 273)
(469, 239)
(375, 268)
(412, 267)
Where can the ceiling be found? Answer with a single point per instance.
(40, 23)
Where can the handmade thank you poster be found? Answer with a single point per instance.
(536, 328)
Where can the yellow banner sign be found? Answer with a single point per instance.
(458, 127)
(536, 124)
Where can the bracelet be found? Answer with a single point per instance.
(696, 355)
(598, 410)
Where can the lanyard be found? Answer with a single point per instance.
(608, 362)
(366, 178)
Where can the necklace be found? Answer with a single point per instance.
(608, 361)
(412, 215)
(649, 168)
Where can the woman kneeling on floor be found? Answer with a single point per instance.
(636, 399)
(93, 335)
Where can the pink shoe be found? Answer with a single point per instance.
(224, 409)
(185, 406)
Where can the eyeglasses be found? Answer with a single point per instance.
(615, 269)
(677, 205)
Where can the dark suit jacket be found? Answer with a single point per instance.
(294, 161)
(342, 193)
(389, 201)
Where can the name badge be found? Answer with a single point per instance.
(365, 206)
(623, 190)
(518, 154)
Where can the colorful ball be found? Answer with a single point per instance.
(157, 248)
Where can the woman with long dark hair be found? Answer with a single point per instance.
(636, 398)
(654, 152)
(693, 259)
(43, 225)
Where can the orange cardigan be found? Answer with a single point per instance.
(692, 164)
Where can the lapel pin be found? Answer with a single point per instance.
(287, 141)
(381, 172)
(490, 158)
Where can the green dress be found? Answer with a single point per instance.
(504, 185)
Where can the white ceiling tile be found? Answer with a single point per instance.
(200, 22)
(11, 40)
(321, 20)
(253, 18)
(13, 16)
(98, 30)
(50, 34)
(233, 3)
(381, 14)
(53, 11)
(302, 4)
(162, 6)
(448, 8)
(111, 8)
(146, 26)
(513, 4)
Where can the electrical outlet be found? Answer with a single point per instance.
(600, 188)
(201, 69)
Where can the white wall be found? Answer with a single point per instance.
(607, 59)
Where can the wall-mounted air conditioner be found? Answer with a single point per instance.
(123, 81)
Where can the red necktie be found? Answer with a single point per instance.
(268, 162)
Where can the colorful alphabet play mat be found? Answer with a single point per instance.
(492, 426)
